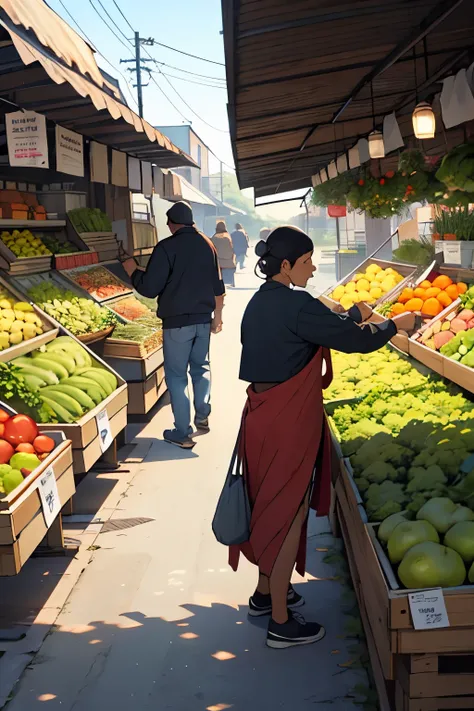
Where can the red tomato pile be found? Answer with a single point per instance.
(19, 433)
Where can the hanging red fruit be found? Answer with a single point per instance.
(382, 181)
(390, 174)
(361, 182)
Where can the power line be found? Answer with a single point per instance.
(113, 22)
(193, 81)
(127, 47)
(169, 100)
(194, 56)
(194, 74)
(100, 53)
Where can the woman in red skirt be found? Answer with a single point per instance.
(284, 441)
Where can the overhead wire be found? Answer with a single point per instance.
(193, 81)
(127, 46)
(114, 23)
(194, 56)
(195, 74)
(127, 86)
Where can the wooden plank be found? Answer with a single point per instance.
(434, 683)
(459, 605)
(85, 458)
(404, 703)
(443, 641)
(14, 556)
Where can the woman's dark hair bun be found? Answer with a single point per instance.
(261, 250)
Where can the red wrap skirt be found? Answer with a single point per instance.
(285, 445)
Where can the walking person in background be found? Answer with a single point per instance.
(183, 272)
(240, 242)
(264, 232)
(225, 253)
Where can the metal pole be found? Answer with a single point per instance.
(139, 76)
(222, 184)
(338, 234)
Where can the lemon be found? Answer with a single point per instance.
(338, 293)
(358, 276)
(373, 269)
(363, 285)
(376, 292)
(346, 302)
(350, 286)
(364, 295)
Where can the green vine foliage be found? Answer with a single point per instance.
(387, 195)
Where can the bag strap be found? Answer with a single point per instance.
(236, 459)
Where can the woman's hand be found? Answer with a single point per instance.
(365, 311)
(405, 322)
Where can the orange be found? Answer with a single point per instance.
(444, 299)
(398, 309)
(434, 291)
(432, 307)
(420, 293)
(426, 284)
(406, 295)
(414, 305)
(442, 281)
(452, 291)
(461, 287)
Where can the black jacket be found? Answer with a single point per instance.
(184, 274)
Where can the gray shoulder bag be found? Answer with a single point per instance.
(231, 523)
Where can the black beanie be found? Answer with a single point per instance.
(180, 213)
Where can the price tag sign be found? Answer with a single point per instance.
(48, 491)
(452, 252)
(103, 425)
(428, 610)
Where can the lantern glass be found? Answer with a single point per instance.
(376, 145)
(424, 121)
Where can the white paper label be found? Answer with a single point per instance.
(428, 610)
(26, 139)
(452, 252)
(103, 425)
(69, 152)
(48, 491)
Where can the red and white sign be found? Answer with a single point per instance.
(26, 139)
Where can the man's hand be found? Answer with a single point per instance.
(130, 266)
(217, 323)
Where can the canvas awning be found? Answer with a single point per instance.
(300, 74)
(47, 67)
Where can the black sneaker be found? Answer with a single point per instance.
(260, 605)
(203, 425)
(293, 633)
(173, 437)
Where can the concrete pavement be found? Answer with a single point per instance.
(158, 620)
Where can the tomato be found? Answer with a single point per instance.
(4, 416)
(25, 447)
(43, 444)
(42, 456)
(2, 429)
(20, 428)
(6, 452)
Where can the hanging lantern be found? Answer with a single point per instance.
(376, 145)
(424, 121)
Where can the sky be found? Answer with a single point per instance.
(189, 25)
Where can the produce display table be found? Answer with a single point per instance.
(144, 373)
(415, 669)
(22, 523)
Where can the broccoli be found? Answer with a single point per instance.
(386, 510)
(378, 495)
(377, 472)
(362, 484)
(463, 490)
(418, 500)
(430, 479)
(393, 421)
(364, 428)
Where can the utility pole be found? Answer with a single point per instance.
(222, 184)
(139, 68)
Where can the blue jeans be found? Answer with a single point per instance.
(187, 349)
(240, 260)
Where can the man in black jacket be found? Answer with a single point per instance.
(184, 274)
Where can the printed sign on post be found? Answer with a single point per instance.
(48, 491)
(103, 425)
(26, 139)
(69, 152)
(428, 610)
(452, 252)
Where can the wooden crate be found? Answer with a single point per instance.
(400, 340)
(434, 675)
(144, 395)
(443, 703)
(22, 524)
(85, 457)
(135, 369)
(118, 348)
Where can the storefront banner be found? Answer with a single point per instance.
(99, 163)
(119, 169)
(69, 152)
(26, 139)
(134, 174)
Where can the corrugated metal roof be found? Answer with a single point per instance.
(293, 67)
(64, 83)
